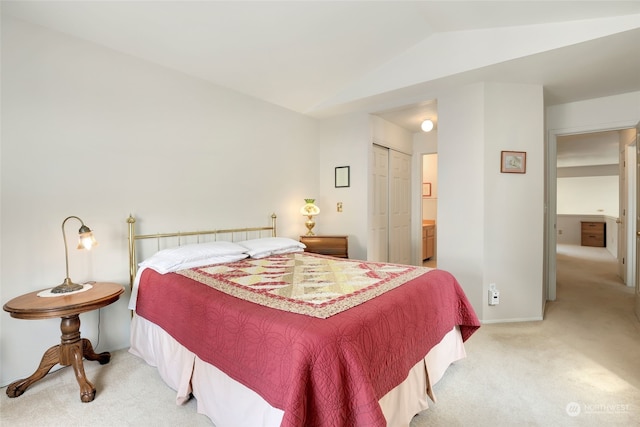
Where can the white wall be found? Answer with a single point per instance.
(514, 209)
(590, 195)
(461, 129)
(606, 113)
(490, 224)
(345, 141)
(98, 134)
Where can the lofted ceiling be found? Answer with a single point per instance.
(390, 58)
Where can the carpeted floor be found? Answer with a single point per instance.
(578, 367)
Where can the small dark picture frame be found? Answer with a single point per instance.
(513, 162)
(342, 176)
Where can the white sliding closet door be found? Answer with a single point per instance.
(391, 218)
(379, 235)
(399, 208)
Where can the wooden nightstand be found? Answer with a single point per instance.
(337, 246)
(72, 348)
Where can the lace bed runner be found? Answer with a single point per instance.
(304, 283)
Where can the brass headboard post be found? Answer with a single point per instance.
(132, 250)
(273, 225)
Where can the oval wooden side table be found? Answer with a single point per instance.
(72, 349)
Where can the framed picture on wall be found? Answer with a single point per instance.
(513, 162)
(342, 176)
(426, 189)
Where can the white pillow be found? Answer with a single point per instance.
(205, 261)
(260, 248)
(193, 255)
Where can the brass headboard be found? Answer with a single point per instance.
(133, 237)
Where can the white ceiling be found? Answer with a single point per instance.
(313, 56)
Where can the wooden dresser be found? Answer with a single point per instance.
(593, 233)
(337, 246)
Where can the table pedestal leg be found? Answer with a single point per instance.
(70, 351)
(89, 354)
(49, 359)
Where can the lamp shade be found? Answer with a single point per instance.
(309, 208)
(85, 238)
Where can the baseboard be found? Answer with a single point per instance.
(524, 319)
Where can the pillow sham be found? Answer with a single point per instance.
(266, 246)
(198, 263)
(182, 257)
(157, 265)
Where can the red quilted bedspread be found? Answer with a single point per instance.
(320, 372)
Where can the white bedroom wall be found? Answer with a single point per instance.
(94, 133)
(345, 141)
(514, 203)
(490, 224)
(609, 112)
(461, 188)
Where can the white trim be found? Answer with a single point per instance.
(551, 191)
(517, 319)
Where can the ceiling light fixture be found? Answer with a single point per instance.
(427, 126)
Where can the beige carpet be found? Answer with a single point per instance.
(578, 367)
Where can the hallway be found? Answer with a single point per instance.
(593, 298)
(570, 257)
(586, 274)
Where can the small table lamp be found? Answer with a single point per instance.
(86, 241)
(310, 210)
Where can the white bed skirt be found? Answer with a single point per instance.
(230, 404)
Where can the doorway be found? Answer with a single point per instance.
(429, 210)
(552, 222)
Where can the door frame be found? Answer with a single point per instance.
(551, 195)
(636, 237)
(416, 197)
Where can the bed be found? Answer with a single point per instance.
(261, 333)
